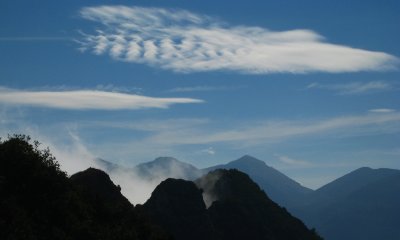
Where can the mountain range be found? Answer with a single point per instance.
(363, 204)
(240, 210)
(39, 201)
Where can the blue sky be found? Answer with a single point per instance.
(310, 87)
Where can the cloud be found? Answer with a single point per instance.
(292, 161)
(354, 88)
(382, 110)
(204, 88)
(170, 137)
(182, 41)
(209, 151)
(73, 155)
(34, 39)
(251, 133)
(86, 99)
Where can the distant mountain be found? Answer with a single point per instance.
(108, 166)
(352, 182)
(363, 204)
(280, 188)
(167, 167)
(360, 205)
(241, 210)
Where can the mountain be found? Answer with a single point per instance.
(178, 205)
(363, 204)
(280, 188)
(108, 166)
(352, 182)
(39, 201)
(241, 210)
(167, 167)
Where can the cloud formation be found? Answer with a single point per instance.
(182, 41)
(292, 161)
(86, 99)
(169, 137)
(251, 133)
(204, 89)
(382, 110)
(354, 88)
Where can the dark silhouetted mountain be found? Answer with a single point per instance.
(241, 210)
(38, 200)
(97, 186)
(280, 188)
(167, 167)
(178, 205)
(363, 204)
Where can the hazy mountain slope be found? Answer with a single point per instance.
(280, 188)
(167, 167)
(351, 182)
(108, 166)
(363, 204)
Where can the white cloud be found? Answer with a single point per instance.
(274, 131)
(209, 151)
(162, 138)
(355, 87)
(292, 161)
(182, 41)
(204, 88)
(382, 110)
(86, 99)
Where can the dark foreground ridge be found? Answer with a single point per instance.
(241, 210)
(39, 201)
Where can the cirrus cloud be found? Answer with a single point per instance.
(355, 88)
(86, 99)
(182, 41)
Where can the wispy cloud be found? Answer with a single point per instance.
(86, 99)
(353, 88)
(33, 39)
(182, 41)
(173, 137)
(382, 110)
(292, 161)
(204, 88)
(113, 88)
(275, 131)
(209, 151)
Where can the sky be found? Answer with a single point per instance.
(310, 87)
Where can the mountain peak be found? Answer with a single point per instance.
(161, 160)
(278, 186)
(363, 169)
(247, 159)
(355, 180)
(167, 167)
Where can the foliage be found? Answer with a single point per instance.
(39, 201)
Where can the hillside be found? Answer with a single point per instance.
(39, 201)
(363, 204)
(241, 210)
